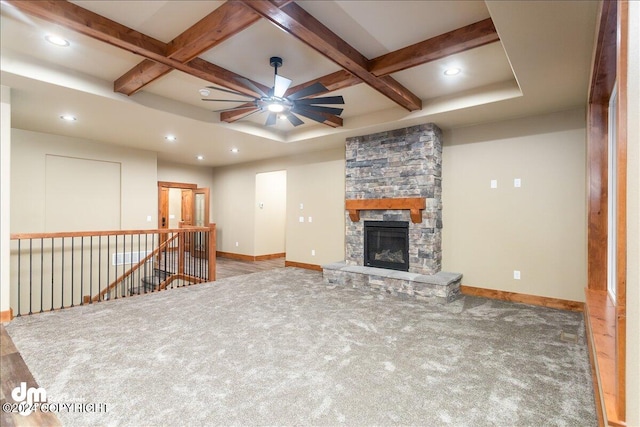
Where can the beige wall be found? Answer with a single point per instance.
(316, 180)
(319, 188)
(232, 199)
(138, 197)
(270, 212)
(538, 229)
(81, 194)
(633, 218)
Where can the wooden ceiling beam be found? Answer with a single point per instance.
(334, 81)
(297, 22)
(213, 29)
(456, 41)
(235, 115)
(219, 25)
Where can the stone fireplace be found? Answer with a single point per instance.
(394, 177)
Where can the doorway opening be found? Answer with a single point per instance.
(270, 214)
(183, 202)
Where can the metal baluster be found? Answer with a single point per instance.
(81, 270)
(19, 296)
(108, 269)
(91, 270)
(41, 273)
(62, 277)
(30, 276)
(142, 266)
(52, 263)
(116, 265)
(146, 250)
(99, 266)
(72, 267)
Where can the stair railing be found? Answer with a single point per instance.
(51, 271)
(132, 270)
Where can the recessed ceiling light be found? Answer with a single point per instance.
(57, 40)
(452, 71)
(235, 150)
(200, 157)
(170, 138)
(68, 118)
(204, 92)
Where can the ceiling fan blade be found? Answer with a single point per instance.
(280, 86)
(229, 91)
(248, 83)
(319, 109)
(294, 120)
(308, 91)
(321, 100)
(257, 110)
(272, 118)
(310, 114)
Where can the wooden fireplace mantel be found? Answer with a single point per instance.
(414, 204)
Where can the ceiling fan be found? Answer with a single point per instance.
(279, 105)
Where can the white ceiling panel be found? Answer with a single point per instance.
(541, 64)
(162, 20)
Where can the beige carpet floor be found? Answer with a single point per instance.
(282, 348)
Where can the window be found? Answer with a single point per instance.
(612, 211)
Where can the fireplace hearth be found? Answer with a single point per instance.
(386, 244)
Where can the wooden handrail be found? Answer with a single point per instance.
(133, 269)
(104, 233)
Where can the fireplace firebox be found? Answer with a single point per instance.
(386, 244)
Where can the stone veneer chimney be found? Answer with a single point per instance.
(402, 163)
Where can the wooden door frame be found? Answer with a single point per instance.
(169, 184)
(610, 66)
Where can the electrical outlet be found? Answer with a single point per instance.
(236, 244)
(301, 206)
(516, 274)
(494, 183)
(517, 183)
(309, 219)
(313, 252)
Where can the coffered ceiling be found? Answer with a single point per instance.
(133, 70)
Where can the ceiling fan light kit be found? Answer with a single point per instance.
(280, 106)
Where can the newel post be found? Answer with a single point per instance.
(212, 252)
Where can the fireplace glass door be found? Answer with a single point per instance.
(386, 244)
